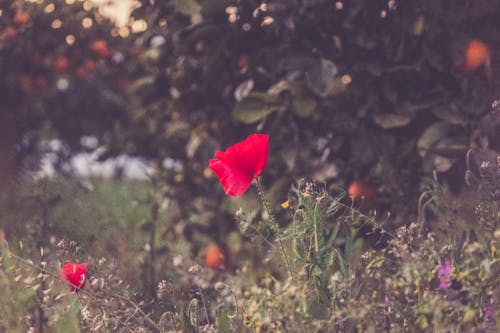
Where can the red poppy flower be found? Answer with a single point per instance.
(241, 163)
(75, 274)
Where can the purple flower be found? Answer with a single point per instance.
(444, 275)
(488, 315)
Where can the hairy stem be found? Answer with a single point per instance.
(272, 219)
(147, 320)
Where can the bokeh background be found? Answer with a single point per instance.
(110, 111)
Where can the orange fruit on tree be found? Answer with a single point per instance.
(100, 48)
(477, 53)
(214, 257)
(82, 73)
(9, 32)
(61, 64)
(85, 70)
(21, 18)
(361, 190)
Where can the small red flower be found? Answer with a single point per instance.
(75, 274)
(241, 163)
(361, 190)
(214, 257)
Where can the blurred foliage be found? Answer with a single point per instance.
(358, 89)
(61, 77)
(338, 280)
(361, 89)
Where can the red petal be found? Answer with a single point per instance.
(241, 163)
(75, 274)
(235, 183)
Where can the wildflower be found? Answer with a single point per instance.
(241, 163)
(489, 316)
(444, 275)
(75, 274)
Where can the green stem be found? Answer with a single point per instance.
(272, 219)
(148, 321)
(316, 234)
(154, 208)
(368, 219)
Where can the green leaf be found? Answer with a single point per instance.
(243, 89)
(418, 26)
(255, 107)
(193, 313)
(321, 78)
(177, 129)
(187, 7)
(431, 136)
(443, 164)
(318, 310)
(68, 321)
(303, 103)
(451, 147)
(391, 120)
(280, 86)
(451, 114)
(303, 106)
(142, 84)
(223, 322)
(333, 235)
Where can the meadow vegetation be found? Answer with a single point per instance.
(365, 197)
